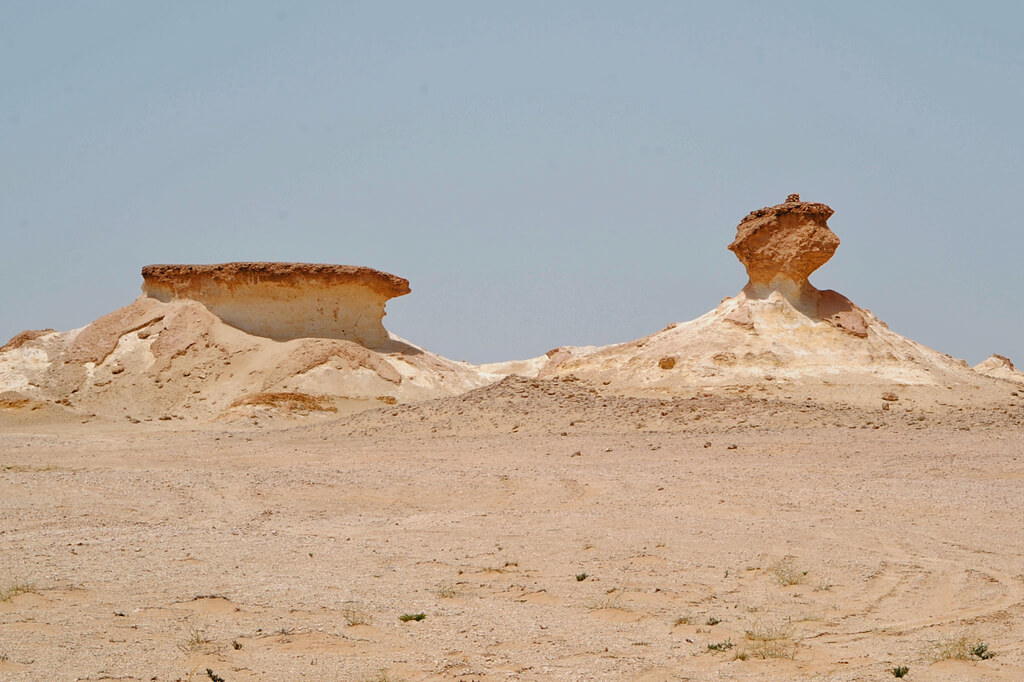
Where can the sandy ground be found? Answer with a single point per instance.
(546, 531)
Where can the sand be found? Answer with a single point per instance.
(784, 488)
(546, 530)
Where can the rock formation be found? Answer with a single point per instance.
(203, 340)
(283, 301)
(778, 327)
(999, 367)
(780, 246)
(785, 242)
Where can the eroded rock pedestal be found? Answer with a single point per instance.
(778, 328)
(788, 241)
(780, 246)
(284, 301)
(206, 341)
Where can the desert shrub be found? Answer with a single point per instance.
(406, 617)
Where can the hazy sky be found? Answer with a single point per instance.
(544, 173)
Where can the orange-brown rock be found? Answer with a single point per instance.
(780, 246)
(790, 241)
(285, 301)
(186, 279)
(21, 338)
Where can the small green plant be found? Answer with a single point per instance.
(15, 589)
(900, 671)
(683, 620)
(980, 651)
(712, 620)
(406, 617)
(580, 577)
(720, 646)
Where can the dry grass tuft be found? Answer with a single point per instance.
(355, 615)
(786, 572)
(382, 676)
(960, 647)
(15, 589)
(607, 601)
(770, 640)
(195, 640)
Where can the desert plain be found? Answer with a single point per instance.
(203, 485)
(545, 530)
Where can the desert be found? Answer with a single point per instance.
(242, 475)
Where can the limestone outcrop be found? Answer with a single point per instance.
(778, 328)
(999, 367)
(284, 301)
(203, 341)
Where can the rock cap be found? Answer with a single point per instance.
(284, 301)
(182, 278)
(789, 240)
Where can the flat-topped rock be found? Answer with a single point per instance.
(183, 277)
(285, 301)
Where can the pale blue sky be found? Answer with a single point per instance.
(544, 173)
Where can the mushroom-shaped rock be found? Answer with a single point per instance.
(285, 301)
(778, 329)
(780, 246)
(788, 241)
